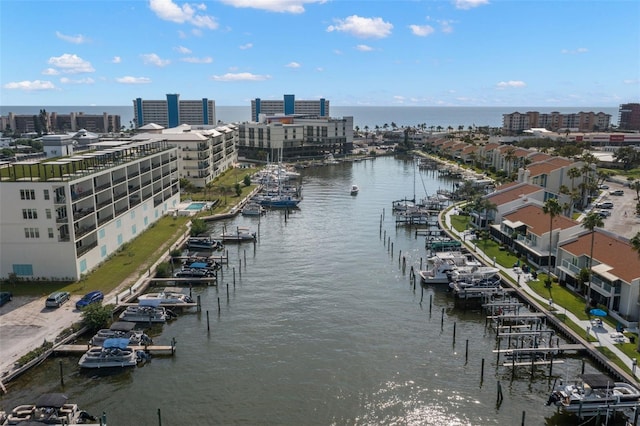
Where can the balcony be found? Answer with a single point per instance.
(106, 202)
(82, 250)
(103, 186)
(75, 196)
(105, 219)
(64, 219)
(575, 270)
(60, 200)
(120, 195)
(119, 180)
(84, 231)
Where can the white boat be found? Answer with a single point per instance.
(438, 273)
(121, 329)
(163, 298)
(240, 234)
(51, 408)
(156, 314)
(354, 189)
(452, 266)
(113, 353)
(594, 393)
(253, 209)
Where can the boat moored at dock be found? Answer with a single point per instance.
(121, 329)
(204, 243)
(49, 408)
(114, 352)
(239, 235)
(150, 314)
(163, 298)
(594, 393)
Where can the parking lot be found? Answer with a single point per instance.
(623, 220)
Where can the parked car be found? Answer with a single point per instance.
(617, 192)
(5, 297)
(603, 213)
(56, 299)
(603, 186)
(89, 298)
(605, 205)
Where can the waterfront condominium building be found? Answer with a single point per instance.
(172, 112)
(516, 122)
(290, 137)
(53, 122)
(204, 152)
(288, 106)
(629, 117)
(60, 219)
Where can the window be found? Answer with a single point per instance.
(29, 214)
(22, 270)
(46, 194)
(103, 251)
(119, 239)
(101, 233)
(133, 230)
(31, 233)
(48, 213)
(50, 232)
(27, 194)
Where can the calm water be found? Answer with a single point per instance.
(321, 328)
(362, 116)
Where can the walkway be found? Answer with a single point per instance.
(605, 335)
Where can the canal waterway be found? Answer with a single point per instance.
(320, 327)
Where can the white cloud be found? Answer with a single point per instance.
(50, 71)
(183, 50)
(636, 81)
(194, 60)
(30, 85)
(422, 30)
(116, 59)
(76, 39)
(364, 48)
(362, 27)
(574, 52)
(66, 80)
(285, 6)
(469, 4)
(133, 80)
(153, 59)
(196, 32)
(246, 46)
(445, 26)
(293, 65)
(187, 13)
(71, 64)
(511, 84)
(241, 76)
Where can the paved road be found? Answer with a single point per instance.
(623, 220)
(25, 323)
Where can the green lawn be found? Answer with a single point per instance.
(459, 222)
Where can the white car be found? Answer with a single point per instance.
(603, 213)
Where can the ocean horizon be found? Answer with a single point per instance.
(363, 116)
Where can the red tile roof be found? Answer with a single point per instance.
(537, 221)
(607, 249)
(511, 194)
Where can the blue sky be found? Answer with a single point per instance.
(368, 52)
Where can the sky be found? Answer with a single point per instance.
(548, 53)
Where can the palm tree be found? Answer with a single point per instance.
(553, 209)
(591, 221)
(635, 242)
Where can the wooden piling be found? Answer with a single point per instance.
(524, 413)
(234, 274)
(208, 327)
(454, 332)
(442, 320)
(227, 292)
(482, 371)
(430, 302)
(61, 375)
(500, 397)
(199, 304)
(244, 252)
(466, 351)
(159, 417)
(218, 305)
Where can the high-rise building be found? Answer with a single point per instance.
(629, 117)
(57, 123)
(289, 106)
(173, 112)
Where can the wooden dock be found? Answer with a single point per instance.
(151, 349)
(166, 305)
(189, 280)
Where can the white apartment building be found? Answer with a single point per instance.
(60, 219)
(293, 137)
(204, 152)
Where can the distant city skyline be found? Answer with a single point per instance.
(352, 53)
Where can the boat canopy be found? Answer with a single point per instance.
(198, 265)
(122, 326)
(149, 302)
(116, 342)
(597, 381)
(55, 400)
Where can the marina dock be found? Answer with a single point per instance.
(158, 350)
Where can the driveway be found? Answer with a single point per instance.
(25, 323)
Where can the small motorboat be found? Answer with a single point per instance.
(354, 189)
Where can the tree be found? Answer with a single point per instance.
(635, 242)
(237, 189)
(198, 226)
(627, 155)
(96, 316)
(591, 221)
(553, 209)
(246, 180)
(635, 185)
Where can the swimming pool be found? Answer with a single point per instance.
(196, 206)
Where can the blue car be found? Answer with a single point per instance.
(89, 298)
